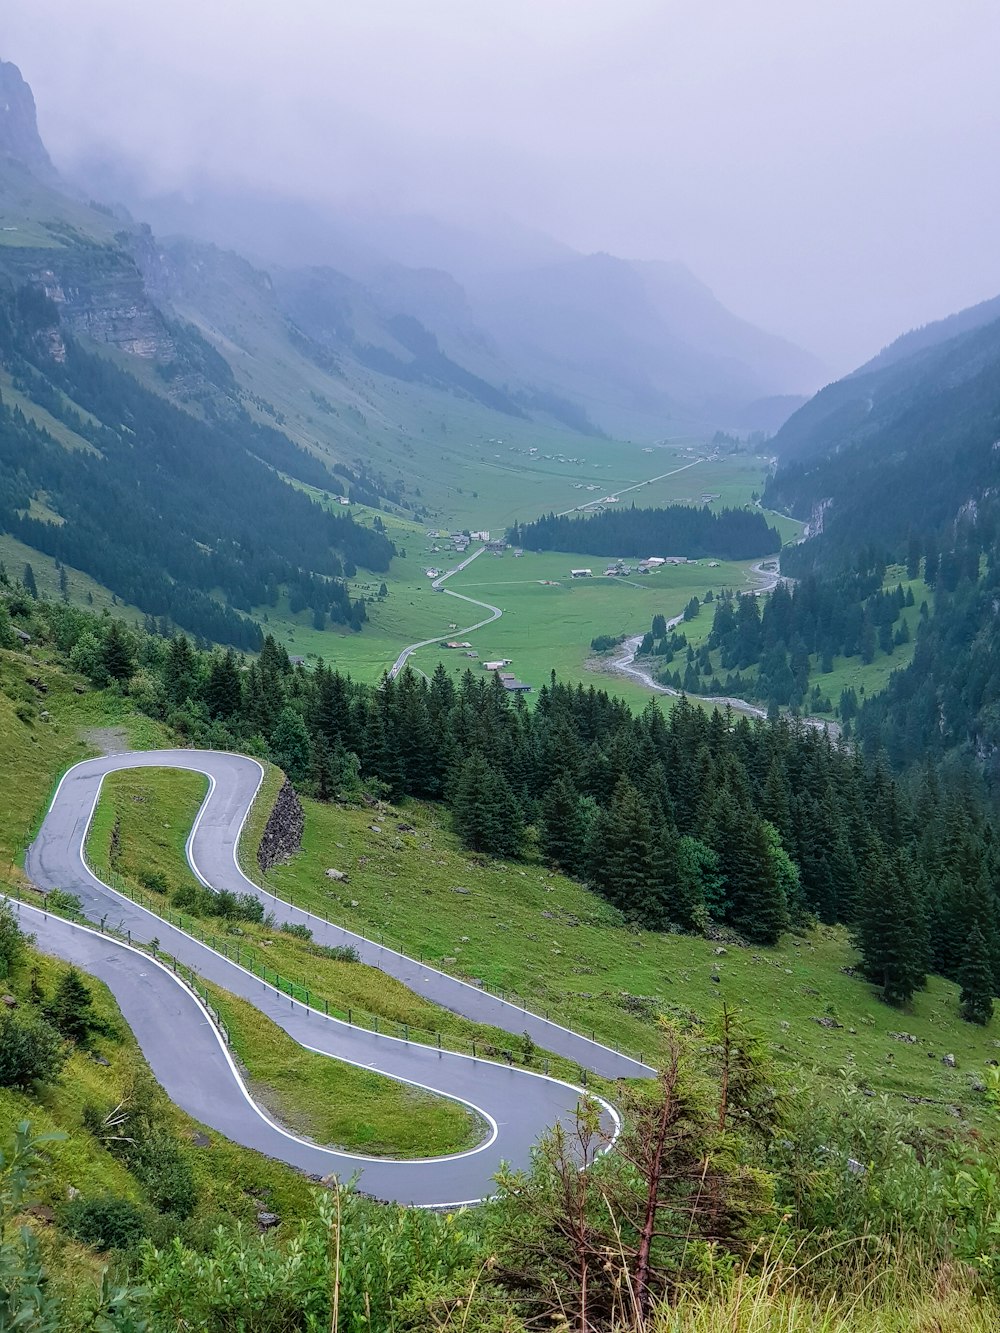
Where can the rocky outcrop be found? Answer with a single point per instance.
(282, 835)
(19, 137)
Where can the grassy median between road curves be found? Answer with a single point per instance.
(335, 1104)
(138, 834)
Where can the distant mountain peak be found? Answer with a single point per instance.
(19, 137)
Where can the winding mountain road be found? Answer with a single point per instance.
(186, 1051)
(438, 586)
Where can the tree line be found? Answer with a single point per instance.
(692, 821)
(687, 530)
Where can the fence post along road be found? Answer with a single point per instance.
(187, 1052)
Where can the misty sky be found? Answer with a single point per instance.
(828, 167)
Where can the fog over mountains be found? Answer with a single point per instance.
(642, 348)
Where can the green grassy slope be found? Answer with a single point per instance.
(562, 949)
(329, 1101)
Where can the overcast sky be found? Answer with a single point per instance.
(828, 167)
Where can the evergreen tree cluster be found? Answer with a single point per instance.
(730, 534)
(167, 508)
(776, 638)
(679, 822)
(944, 705)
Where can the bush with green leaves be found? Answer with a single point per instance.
(29, 1300)
(105, 1222)
(393, 1265)
(297, 928)
(66, 904)
(136, 1132)
(31, 1050)
(339, 953)
(12, 941)
(200, 901)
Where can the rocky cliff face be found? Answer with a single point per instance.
(282, 835)
(100, 294)
(19, 137)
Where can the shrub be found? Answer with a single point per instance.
(605, 642)
(237, 906)
(297, 928)
(340, 953)
(31, 1051)
(105, 1222)
(195, 899)
(66, 904)
(11, 940)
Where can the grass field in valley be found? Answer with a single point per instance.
(550, 618)
(549, 627)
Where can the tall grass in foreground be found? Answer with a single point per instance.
(907, 1293)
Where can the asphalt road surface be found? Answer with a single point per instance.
(186, 1051)
(438, 586)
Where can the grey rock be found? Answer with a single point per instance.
(950, 1061)
(282, 836)
(267, 1220)
(461, 890)
(720, 951)
(338, 875)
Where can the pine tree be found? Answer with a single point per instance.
(28, 579)
(290, 745)
(976, 979)
(180, 671)
(891, 932)
(562, 831)
(487, 815)
(116, 655)
(70, 1011)
(223, 691)
(620, 857)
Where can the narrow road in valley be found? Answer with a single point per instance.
(187, 1053)
(592, 504)
(495, 611)
(438, 586)
(623, 663)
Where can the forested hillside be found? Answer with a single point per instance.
(164, 508)
(892, 450)
(731, 534)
